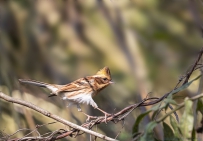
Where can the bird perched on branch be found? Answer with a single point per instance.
(79, 91)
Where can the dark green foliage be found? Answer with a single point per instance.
(174, 130)
(168, 132)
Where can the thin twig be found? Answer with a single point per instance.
(178, 107)
(55, 117)
(85, 127)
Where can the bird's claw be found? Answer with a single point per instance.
(90, 117)
(106, 115)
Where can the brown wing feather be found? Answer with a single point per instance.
(83, 83)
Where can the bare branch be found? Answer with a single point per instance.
(55, 117)
(117, 117)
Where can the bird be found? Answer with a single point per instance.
(80, 91)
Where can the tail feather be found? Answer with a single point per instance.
(52, 87)
(34, 82)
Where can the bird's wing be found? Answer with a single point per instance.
(77, 85)
(80, 91)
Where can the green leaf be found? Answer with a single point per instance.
(141, 116)
(137, 135)
(138, 120)
(148, 134)
(186, 122)
(170, 101)
(154, 115)
(158, 107)
(193, 135)
(168, 133)
(199, 106)
(184, 86)
(175, 126)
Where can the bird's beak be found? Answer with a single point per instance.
(111, 82)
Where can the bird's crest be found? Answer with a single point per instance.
(106, 72)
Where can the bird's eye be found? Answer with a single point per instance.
(104, 79)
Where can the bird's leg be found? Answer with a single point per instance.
(88, 116)
(105, 113)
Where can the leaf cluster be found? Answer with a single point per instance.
(179, 128)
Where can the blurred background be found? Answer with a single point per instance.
(146, 44)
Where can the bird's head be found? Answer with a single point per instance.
(103, 78)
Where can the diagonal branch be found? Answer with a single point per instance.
(55, 117)
(117, 117)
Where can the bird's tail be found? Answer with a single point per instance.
(51, 87)
(34, 82)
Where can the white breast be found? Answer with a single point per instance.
(84, 98)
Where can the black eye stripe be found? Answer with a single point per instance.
(99, 81)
